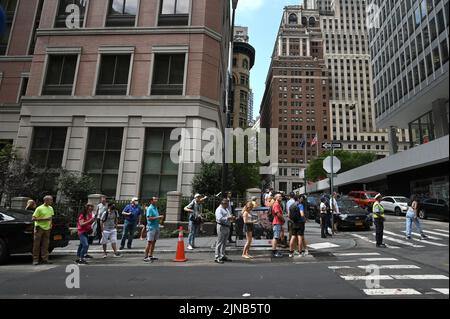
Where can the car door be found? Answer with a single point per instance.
(388, 204)
(441, 210)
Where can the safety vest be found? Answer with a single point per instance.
(378, 210)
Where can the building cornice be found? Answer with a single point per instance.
(131, 31)
(16, 58)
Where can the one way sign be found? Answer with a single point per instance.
(327, 145)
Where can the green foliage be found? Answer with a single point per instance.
(240, 177)
(75, 187)
(349, 161)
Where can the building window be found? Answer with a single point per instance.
(168, 75)
(293, 19)
(122, 13)
(9, 6)
(174, 13)
(160, 174)
(60, 21)
(37, 21)
(114, 73)
(103, 158)
(60, 75)
(245, 64)
(421, 130)
(47, 149)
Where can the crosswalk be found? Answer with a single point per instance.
(396, 240)
(377, 275)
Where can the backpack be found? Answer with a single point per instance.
(107, 215)
(294, 213)
(270, 214)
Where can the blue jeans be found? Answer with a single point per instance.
(128, 233)
(193, 231)
(409, 221)
(84, 246)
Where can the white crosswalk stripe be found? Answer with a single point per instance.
(420, 277)
(395, 240)
(339, 267)
(379, 259)
(443, 291)
(391, 267)
(435, 233)
(356, 254)
(372, 241)
(418, 235)
(391, 292)
(441, 230)
(369, 277)
(418, 240)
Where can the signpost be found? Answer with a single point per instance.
(332, 165)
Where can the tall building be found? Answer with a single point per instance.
(251, 102)
(243, 61)
(103, 96)
(410, 62)
(347, 56)
(296, 98)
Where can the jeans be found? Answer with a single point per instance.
(222, 235)
(409, 222)
(323, 225)
(379, 229)
(128, 233)
(193, 231)
(84, 246)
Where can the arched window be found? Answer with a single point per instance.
(293, 18)
(304, 21)
(245, 64)
(312, 22)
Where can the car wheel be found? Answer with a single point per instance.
(398, 211)
(3, 251)
(422, 214)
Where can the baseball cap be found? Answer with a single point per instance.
(378, 196)
(135, 199)
(197, 195)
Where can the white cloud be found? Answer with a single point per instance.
(244, 5)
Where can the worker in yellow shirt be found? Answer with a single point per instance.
(378, 219)
(42, 218)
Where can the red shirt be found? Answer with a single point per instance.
(87, 227)
(277, 211)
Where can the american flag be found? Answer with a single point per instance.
(315, 140)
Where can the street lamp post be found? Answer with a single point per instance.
(234, 4)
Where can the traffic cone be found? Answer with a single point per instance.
(180, 257)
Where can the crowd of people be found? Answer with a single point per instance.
(288, 216)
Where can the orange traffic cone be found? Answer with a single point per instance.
(180, 257)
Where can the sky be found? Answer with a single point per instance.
(262, 17)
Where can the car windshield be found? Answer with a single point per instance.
(401, 199)
(371, 195)
(5, 218)
(347, 204)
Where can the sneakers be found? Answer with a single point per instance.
(105, 256)
(423, 236)
(88, 257)
(291, 255)
(305, 253)
(81, 262)
(117, 255)
(408, 237)
(382, 246)
(246, 257)
(219, 261)
(225, 258)
(147, 260)
(154, 258)
(35, 263)
(277, 255)
(189, 247)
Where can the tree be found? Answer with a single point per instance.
(240, 178)
(348, 160)
(75, 187)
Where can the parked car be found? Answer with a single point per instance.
(262, 230)
(363, 198)
(434, 208)
(352, 215)
(395, 204)
(16, 233)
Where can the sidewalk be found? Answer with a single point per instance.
(206, 244)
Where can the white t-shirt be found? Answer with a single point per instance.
(334, 206)
(323, 208)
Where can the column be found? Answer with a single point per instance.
(173, 208)
(308, 47)
(280, 46)
(301, 46)
(393, 140)
(440, 119)
(287, 46)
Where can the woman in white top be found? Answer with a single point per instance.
(412, 216)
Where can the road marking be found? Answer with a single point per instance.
(323, 246)
(420, 277)
(370, 277)
(420, 240)
(395, 240)
(371, 241)
(435, 233)
(390, 292)
(379, 259)
(391, 267)
(339, 267)
(357, 254)
(443, 291)
(441, 230)
(418, 235)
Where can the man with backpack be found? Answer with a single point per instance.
(278, 221)
(108, 221)
(297, 217)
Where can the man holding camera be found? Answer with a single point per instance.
(195, 218)
(223, 220)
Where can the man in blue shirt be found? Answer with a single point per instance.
(132, 214)
(302, 246)
(153, 221)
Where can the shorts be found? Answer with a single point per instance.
(109, 236)
(298, 229)
(277, 231)
(249, 228)
(153, 234)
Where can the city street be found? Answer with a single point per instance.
(336, 268)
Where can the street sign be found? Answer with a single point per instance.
(327, 145)
(336, 164)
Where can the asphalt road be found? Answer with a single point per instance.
(406, 269)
